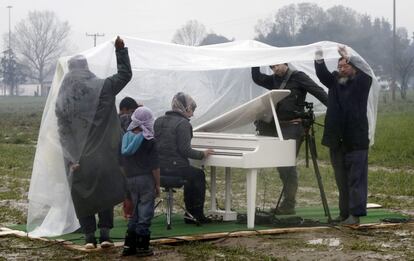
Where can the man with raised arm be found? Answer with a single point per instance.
(287, 112)
(89, 132)
(346, 130)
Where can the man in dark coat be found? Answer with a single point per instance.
(89, 131)
(173, 134)
(346, 131)
(287, 112)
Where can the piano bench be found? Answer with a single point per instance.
(169, 183)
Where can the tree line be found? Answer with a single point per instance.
(306, 23)
(41, 38)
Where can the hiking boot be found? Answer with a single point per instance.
(130, 244)
(143, 246)
(351, 220)
(144, 252)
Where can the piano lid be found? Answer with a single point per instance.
(257, 109)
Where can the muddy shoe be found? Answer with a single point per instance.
(107, 243)
(90, 245)
(90, 241)
(144, 252)
(351, 220)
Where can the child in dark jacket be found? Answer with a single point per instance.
(140, 161)
(126, 107)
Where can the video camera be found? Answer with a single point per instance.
(307, 116)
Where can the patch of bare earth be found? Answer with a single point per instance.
(333, 244)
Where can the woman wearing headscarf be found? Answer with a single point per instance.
(140, 161)
(173, 134)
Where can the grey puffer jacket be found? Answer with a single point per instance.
(173, 134)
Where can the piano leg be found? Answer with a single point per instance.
(213, 189)
(251, 181)
(227, 214)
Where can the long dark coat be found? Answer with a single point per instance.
(99, 183)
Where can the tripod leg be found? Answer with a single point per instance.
(312, 148)
(280, 197)
(307, 148)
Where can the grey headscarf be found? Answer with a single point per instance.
(183, 103)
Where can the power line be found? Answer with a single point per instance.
(95, 35)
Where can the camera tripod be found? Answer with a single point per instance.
(308, 120)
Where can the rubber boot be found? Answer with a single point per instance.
(143, 246)
(130, 244)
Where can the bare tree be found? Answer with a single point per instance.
(192, 34)
(41, 39)
(404, 60)
(213, 38)
(12, 72)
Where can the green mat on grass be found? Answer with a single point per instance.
(179, 228)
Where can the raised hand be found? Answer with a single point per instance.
(119, 43)
(343, 52)
(319, 53)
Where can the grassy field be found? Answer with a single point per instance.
(391, 175)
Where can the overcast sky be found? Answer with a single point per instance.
(159, 19)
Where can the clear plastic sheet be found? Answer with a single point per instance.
(218, 77)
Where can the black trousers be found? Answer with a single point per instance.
(194, 189)
(351, 175)
(106, 220)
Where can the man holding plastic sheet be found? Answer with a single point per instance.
(287, 112)
(89, 132)
(173, 134)
(346, 130)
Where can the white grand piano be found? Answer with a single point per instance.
(247, 151)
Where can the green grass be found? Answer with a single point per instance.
(391, 183)
(20, 120)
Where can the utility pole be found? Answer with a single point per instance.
(393, 87)
(94, 37)
(10, 69)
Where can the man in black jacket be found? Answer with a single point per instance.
(346, 131)
(173, 134)
(287, 112)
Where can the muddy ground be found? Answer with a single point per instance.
(338, 243)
